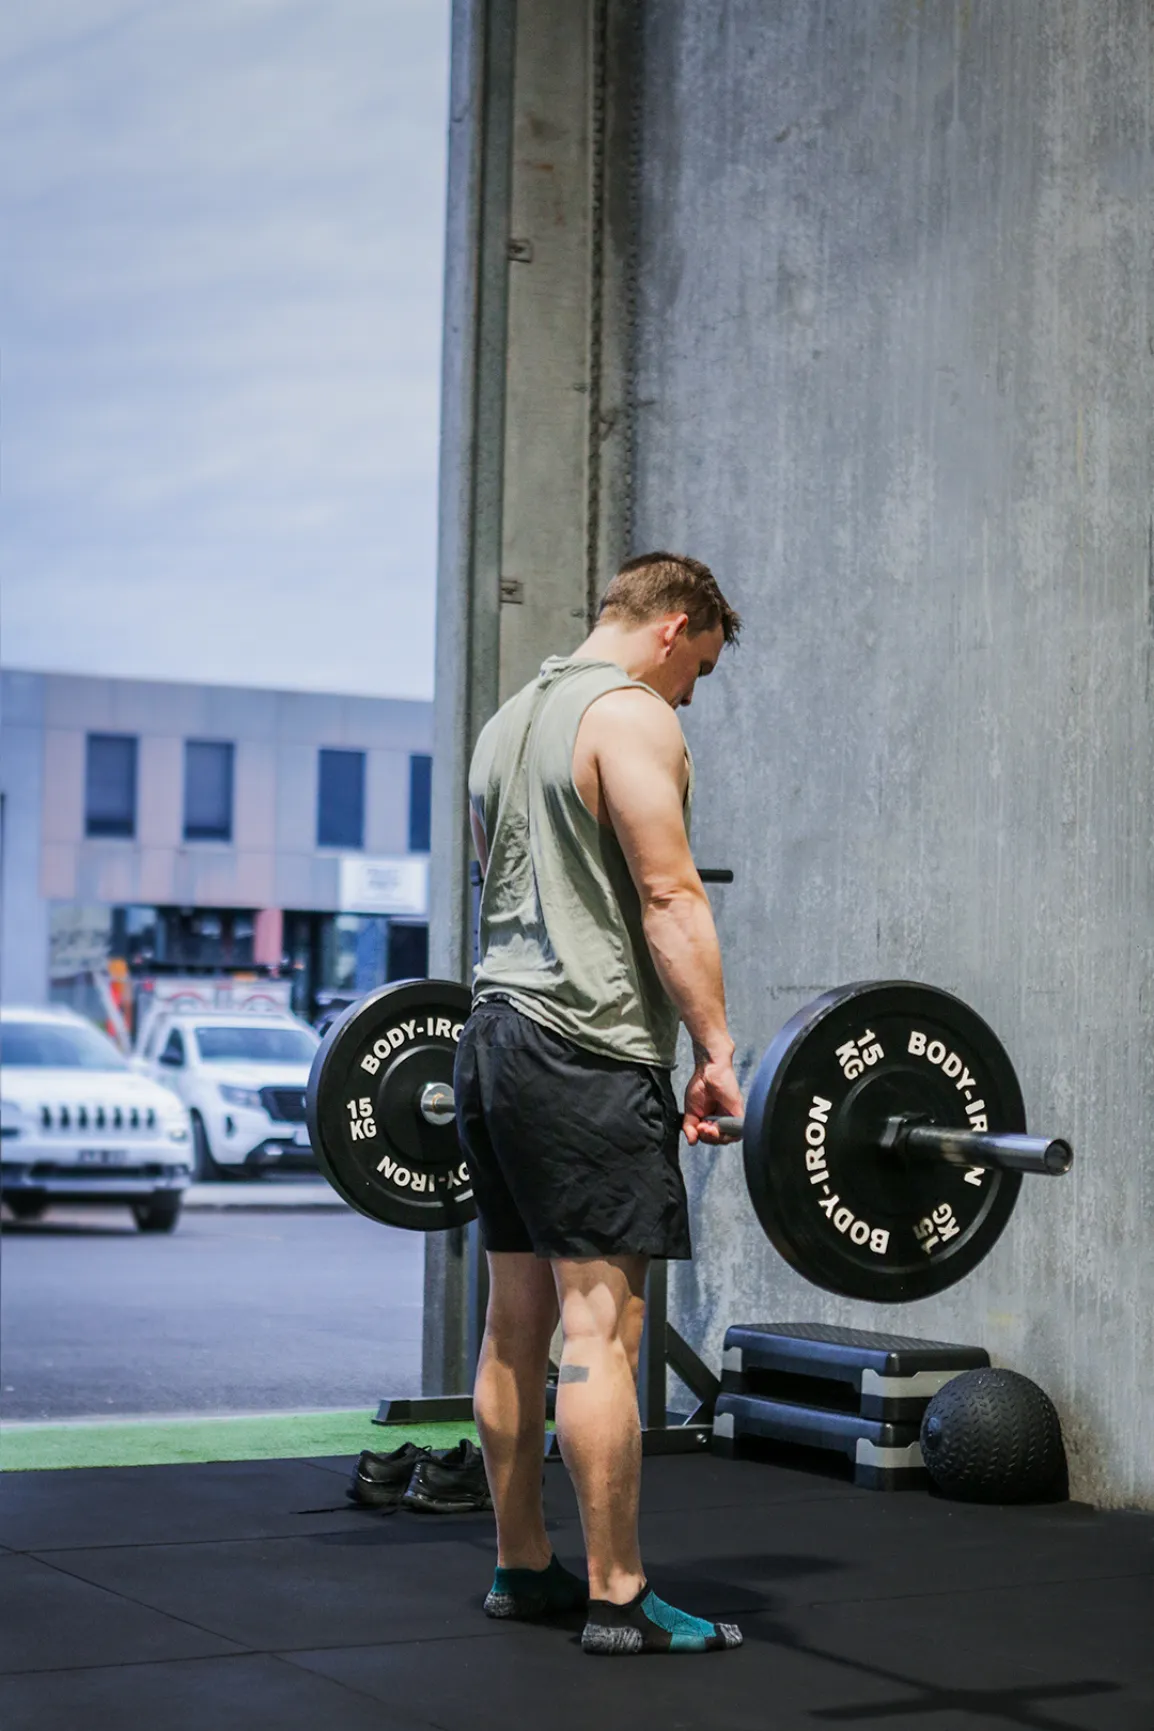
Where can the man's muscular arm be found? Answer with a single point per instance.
(638, 748)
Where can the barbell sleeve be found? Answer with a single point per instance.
(1050, 1157)
(1047, 1156)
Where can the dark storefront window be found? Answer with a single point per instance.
(341, 799)
(208, 768)
(182, 940)
(135, 932)
(110, 786)
(201, 938)
(146, 940)
(420, 803)
(337, 958)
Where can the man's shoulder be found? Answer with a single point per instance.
(638, 710)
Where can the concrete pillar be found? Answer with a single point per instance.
(535, 433)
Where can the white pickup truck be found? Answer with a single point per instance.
(242, 1077)
(79, 1125)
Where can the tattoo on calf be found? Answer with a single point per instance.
(573, 1373)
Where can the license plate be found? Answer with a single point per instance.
(301, 1136)
(102, 1156)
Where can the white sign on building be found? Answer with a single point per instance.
(398, 886)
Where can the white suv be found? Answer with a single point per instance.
(242, 1077)
(77, 1124)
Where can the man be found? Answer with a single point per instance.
(597, 939)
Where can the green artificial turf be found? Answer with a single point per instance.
(163, 1442)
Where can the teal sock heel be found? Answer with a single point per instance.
(523, 1595)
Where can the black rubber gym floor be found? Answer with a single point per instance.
(250, 1597)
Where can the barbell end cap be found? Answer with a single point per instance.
(1058, 1158)
(436, 1104)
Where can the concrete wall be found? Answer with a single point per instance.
(896, 383)
(535, 416)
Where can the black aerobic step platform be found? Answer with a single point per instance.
(849, 1370)
(885, 1457)
(848, 1390)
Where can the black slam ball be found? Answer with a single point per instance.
(992, 1436)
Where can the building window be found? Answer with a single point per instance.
(420, 803)
(110, 793)
(207, 790)
(341, 799)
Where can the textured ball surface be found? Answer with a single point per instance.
(992, 1436)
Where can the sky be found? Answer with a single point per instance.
(221, 244)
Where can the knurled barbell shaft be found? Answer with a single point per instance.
(1046, 1156)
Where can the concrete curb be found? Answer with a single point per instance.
(274, 1194)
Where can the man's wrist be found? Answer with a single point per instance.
(718, 1049)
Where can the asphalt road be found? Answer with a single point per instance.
(238, 1311)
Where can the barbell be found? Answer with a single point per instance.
(1049, 1157)
(884, 1139)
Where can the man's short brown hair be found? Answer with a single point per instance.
(653, 585)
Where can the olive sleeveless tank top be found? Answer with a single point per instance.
(561, 933)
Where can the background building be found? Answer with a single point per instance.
(855, 303)
(153, 829)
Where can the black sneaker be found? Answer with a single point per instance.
(449, 1482)
(380, 1481)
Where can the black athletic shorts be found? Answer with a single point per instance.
(571, 1154)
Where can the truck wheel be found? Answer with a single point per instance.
(158, 1215)
(204, 1167)
(27, 1207)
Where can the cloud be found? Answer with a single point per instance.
(220, 317)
